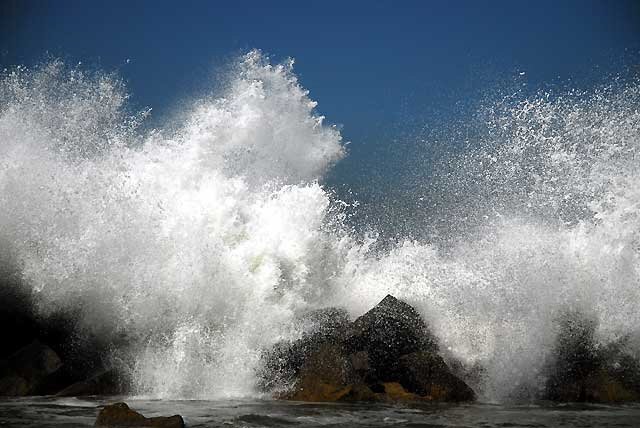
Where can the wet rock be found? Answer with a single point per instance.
(391, 325)
(583, 371)
(323, 376)
(394, 391)
(360, 392)
(388, 354)
(120, 415)
(324, 324)
(283, 363)
(106, 382)
(25, 371)
(426, 374)
(389, 330)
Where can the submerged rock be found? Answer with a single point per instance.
(120, 415)
(24, 372)
(583, 371)
(387, 354)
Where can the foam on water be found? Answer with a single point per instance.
(196, 246)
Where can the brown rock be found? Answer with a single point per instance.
(394, 391)
(119, 415)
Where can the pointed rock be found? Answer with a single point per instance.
(387, 354)
(391, 329)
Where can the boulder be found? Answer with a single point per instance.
(389, 330)
(387, 354)
(120, 415)
(324, 375)
(283, 363)
(26, 370)
(583, 371)
(426, 374)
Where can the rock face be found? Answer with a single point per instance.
(388, 354)
(120, 415)
(24, 372)
(585, 372)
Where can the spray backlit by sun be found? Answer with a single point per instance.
(197, 246)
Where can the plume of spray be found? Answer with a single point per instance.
(196, 247)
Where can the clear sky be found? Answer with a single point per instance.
(381, 69)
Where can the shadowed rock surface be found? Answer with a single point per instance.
(25, 371)
(120, 415)
(78, 359)
(106, 382)
(583, 371)
(387, 354)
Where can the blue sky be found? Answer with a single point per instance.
(383, 70)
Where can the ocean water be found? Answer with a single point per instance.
(71, 413)
(189, 248)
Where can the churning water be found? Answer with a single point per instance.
(77, 413)
(193, 247)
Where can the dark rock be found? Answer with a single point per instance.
(283, 363)
(107, 382)
(27, 369)
(19, 327)
(120, 415)
(391, 329)
(388, 354)
(359, 392)
(426, 374)
(378, 388)
(582, 371)
(324, 324)
(323, 376)
(57, 381)
(392, 325)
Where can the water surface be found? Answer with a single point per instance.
(72, 412)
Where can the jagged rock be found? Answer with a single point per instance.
(582, 371)
(106, 382)
(388, 354)
(119, 415)
(27, 369)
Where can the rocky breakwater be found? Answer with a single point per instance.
(388, 354)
